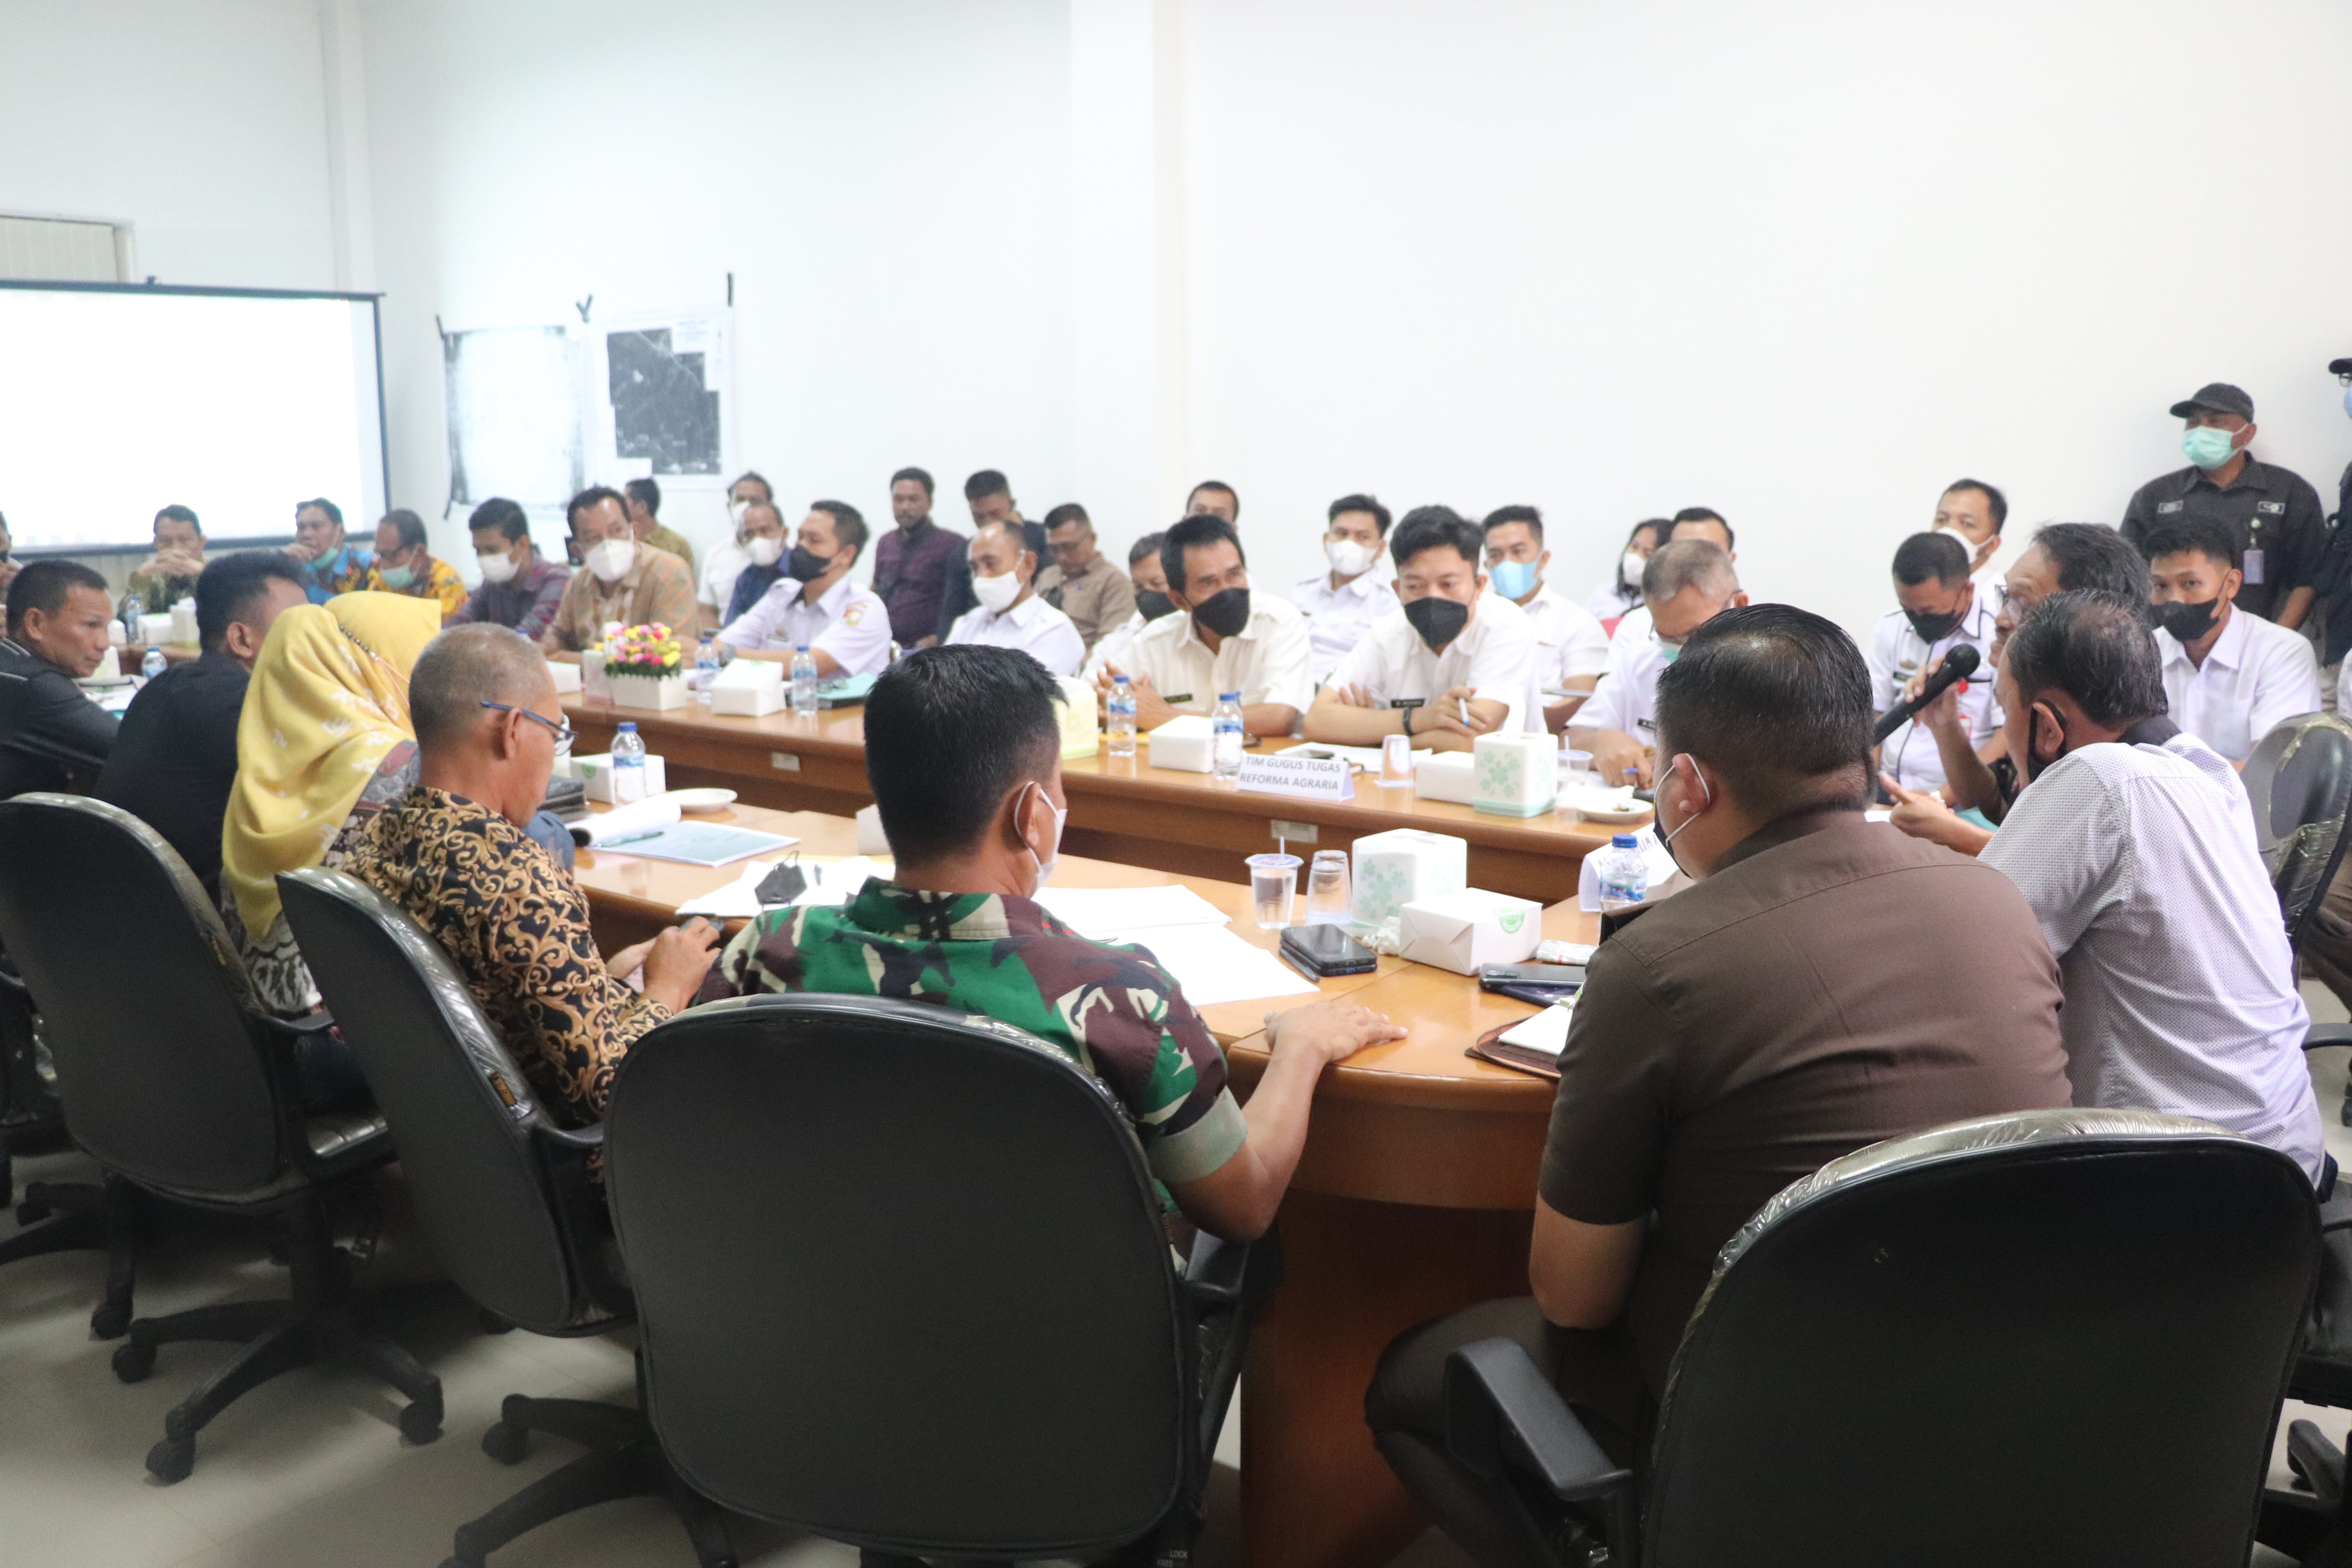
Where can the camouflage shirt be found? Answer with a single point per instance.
(1112, 1008)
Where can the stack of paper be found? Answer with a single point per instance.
(829, 882)
(1185, 933)
(1104, 914)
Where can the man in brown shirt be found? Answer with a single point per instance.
(622, 580)
(1095, 596)
(1824, 984)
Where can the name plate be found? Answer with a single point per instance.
(1302, 778)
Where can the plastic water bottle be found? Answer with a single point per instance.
(1228, 727)
(804, 682)
(628, 765)
(706, 666)
(1624, 875)
(134, 606)
(154, 664)
(1122, 717)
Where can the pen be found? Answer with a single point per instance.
(629, 838)
(1463, 703)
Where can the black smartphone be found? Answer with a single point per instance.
(1491, 976)
(1323, 950)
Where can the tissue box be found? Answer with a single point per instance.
(1188, 744)
(1516, 774)
(156, 630)
(567, 677)
(1080, 737)
(592, 673)
(749, 688)
(1461, 931)
(870, 840)
(184, 621)
(595, 774)
(1444, 776)
(1396, 868)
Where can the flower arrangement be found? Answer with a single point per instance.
(649, 650)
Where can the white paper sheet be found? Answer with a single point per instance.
(1214, 965)
(1366, 759)
(830, 882)
(1546, 1031)
(1104, 913)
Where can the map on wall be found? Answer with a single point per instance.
(664, 397)
(514, 412)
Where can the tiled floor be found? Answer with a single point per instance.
(310, 1471)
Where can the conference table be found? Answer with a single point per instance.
(1414, 1194)
(1121, 808)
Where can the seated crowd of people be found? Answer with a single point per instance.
(2067, 905)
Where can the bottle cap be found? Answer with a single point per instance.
(1625, 841)
(1119, 680)
(1229, 697)
(628, 726)
(800, 648)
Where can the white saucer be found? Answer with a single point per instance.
(703, 799)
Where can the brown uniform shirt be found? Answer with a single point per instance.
(657, 586)
(1096, 600)
(1832, 984)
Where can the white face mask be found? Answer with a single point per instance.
(611, 561)
(1053, 856)
(1347, 558)
(763, 551)
(499, 567)
(1629, 570)
(997, 594)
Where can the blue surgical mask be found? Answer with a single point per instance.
(2347, 400)
(1669, 651)
(1513, 579)
(2207, 447)
(396, 576)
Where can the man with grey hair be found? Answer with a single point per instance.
(453, 853)
(1688, 584)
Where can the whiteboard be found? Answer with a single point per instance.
(119, 400)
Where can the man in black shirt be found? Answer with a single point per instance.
(176, 755)
(51, 736)
(2274, 514)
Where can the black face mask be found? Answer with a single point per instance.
(1932, 629)
(1439, 621)
(1225, 612)
(1153, 603)
(806, 565)
(2186, 621)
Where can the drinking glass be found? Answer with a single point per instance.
(1330, 900)
(1273, 884)
(1396, 762)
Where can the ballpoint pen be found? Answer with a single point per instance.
(630, 838)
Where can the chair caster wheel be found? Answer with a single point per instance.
(170, 1460)
(421, 1423)
(505, 1444)
(133, 1361)
(110, 1320)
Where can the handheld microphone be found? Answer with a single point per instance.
(1958, 666)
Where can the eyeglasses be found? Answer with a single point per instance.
(564, 732)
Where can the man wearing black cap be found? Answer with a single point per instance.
(2274, 514)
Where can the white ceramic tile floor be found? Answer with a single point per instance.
(310, 1471)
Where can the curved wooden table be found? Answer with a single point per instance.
(1121, 808)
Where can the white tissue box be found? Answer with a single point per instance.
(184, 621)
(1516, 775)
(156, 630)
(1461, 931)
(592, 673)
(595, 774)
(1080, 735)
(749, 688)
(870, 840)
(1188, 744)
(1396, 868)
(567, 677)
(1444, 776)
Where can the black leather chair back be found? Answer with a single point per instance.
(2299, 780)
(461, 1111)
(2060, 1337)
(158, 1046)
(901, 1277)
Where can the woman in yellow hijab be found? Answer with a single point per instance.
(323, 741)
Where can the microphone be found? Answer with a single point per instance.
(1958, 666)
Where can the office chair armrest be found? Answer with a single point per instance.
(1502, 1413)
(296, 1030)
(1219, 1271)
(589, 1139)
(2327, 1034)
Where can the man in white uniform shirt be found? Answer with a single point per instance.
(1685, 585)
(1572, 650)
(2133, 842)
(1938, 609)
(1453, 663)
(1011, 614)
(1341, 604)
(1691, 522)
(2230, 678)
(1223, 638)
(814, 605)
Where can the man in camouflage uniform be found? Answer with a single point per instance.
(963, 751)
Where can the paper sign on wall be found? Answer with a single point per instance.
(1302, 778)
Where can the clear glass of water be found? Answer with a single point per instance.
(1575, 770)
(1274, 886)
(1330, 898)
(1396, 761)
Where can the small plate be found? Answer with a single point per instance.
(703, 799)
(1632, 811)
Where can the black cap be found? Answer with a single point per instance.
(2216, 397)
(2339, 367)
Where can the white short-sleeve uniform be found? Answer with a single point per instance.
(1896, 654)
(1032, 626)
(1266, 661)
(850, 622)
(2256, 675)
(1627, 698)
(1570, 644)
(1337, 619)
(1495, 657)
(721, 565)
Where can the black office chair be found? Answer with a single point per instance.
(2299, 781)
(503, 1193)
(174, 1080)
(1923, 1353)
(903, 1283)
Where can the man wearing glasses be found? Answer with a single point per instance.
(1688, 584)
(452, 851)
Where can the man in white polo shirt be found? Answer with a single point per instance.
(1341, 604)
(1572, 650)
(1011, 614)
(1938, 609)
(1456, 662)
(2230, 678)
(814, 605)
(2133, 842)
(1223, 637)
(1687, 584)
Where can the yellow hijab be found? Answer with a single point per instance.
(329, 698)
